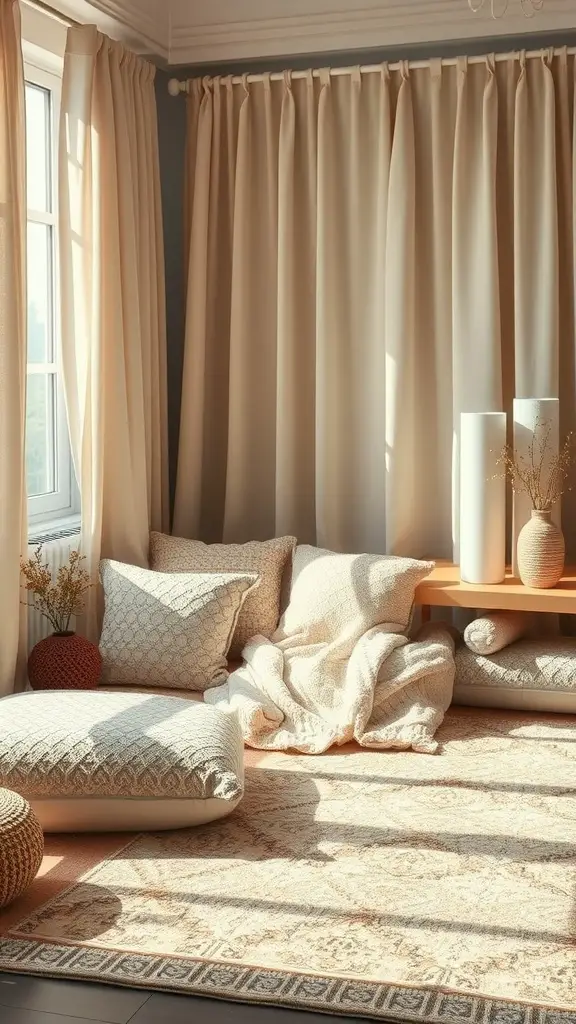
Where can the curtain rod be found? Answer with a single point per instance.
(45, 8)
(176, 86)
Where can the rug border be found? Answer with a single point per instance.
(328, 994)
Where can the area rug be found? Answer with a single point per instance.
(382, 884)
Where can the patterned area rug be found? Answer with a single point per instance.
(384, 884)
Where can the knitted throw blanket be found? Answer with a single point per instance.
(325, 679)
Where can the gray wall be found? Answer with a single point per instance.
(171, 118)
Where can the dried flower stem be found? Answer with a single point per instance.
(528, 473)
(57, 601)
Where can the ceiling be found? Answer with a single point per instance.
(212, 31)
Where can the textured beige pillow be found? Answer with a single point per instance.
(336, 595)
(268, 558)
(168, 629)
(492, 631)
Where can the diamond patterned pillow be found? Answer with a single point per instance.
(268, 558)
(168, 629)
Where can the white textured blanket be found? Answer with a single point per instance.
(338, 668)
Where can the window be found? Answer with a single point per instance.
(52, 493)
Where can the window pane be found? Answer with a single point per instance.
(39, 293)
(37, 148)
(40, 437)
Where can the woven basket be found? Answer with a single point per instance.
(21, 846)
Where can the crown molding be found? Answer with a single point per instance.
(143, 26)
(177, 32)
(387, 24)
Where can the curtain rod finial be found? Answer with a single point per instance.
(175, 87)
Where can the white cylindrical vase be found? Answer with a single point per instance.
(482, 497)
(532, 418)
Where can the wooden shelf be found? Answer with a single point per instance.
(444, 587)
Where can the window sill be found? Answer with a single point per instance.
(52, 529)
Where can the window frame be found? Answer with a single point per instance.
(63, 503)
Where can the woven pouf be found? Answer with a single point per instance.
(21, 845)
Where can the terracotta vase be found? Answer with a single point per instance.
(64, 661)
(540, 551)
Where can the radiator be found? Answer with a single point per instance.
(55, 551)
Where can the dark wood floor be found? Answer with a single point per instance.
(26, 1000)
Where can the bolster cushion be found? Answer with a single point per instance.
(493, 631)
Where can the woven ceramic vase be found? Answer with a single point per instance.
(540, 551)
(64, 661)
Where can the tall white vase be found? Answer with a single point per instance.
(528, 412)
(482, 497)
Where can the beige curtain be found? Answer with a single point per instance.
(113, 298)
(12, 344)
(369, 255)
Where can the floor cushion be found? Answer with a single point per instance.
(531, 675)
(101, 761)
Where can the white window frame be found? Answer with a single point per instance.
(62, 505)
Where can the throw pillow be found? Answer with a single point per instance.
(493, 631)
(168, 629)
(269, 559)
(334, 595)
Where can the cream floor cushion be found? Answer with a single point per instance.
(91, 761)
(530, 675)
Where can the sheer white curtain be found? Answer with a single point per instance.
(12, 344)
(369, 255)
(113, 297)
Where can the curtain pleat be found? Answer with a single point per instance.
(113, 298)
(535, 232)
(370, 255)
(13, 519)
(477, 371)
(401, 378)
(295, 492)
(333, 371)
(252, 401)
(434, 105)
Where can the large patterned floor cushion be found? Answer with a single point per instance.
(529, 675)
(99, 761)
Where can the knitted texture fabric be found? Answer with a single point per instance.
(340, 667)
(168, 629)
(139, 745)
(527, 664)
(270, 559)
(493, 631)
